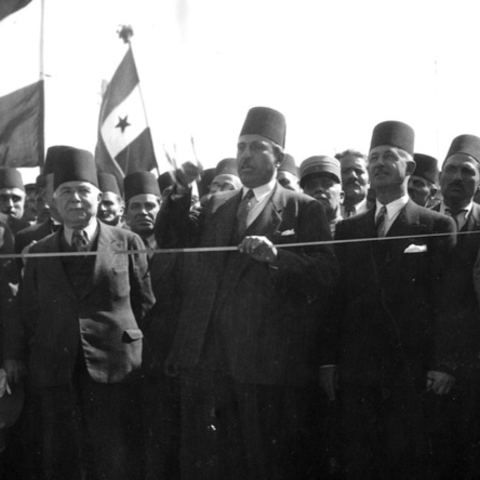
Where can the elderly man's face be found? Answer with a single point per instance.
(460, 178)
(387, 167)
(327, 191)
(257, 162)
(12, 202)
(141, 213)
(77, 203)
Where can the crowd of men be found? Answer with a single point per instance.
(258, 320)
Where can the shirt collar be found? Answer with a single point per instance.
(262, 191)
(393, 207)
(467, 209)
(90, 230)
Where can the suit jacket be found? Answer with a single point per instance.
(32, 233)
(458, 340)
(386, 298)
(162, 319)
(104, 321)
(261, 318)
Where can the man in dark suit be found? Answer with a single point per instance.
(50, 225)
(81, 318)
(160, 395)
(453, 418)
(246, 343)
(385, 311)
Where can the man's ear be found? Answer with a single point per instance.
(411, 167)
(433, 190)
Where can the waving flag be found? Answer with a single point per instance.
(124, 139)
(21, 84)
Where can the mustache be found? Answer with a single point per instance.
(457, 183)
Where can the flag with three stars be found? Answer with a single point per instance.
(21, 85)
(124, 142)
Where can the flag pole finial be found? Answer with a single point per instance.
(125, 33)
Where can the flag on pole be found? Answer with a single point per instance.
(124, 142)
(21, 83)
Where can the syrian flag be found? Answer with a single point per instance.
(124, 139)
(21, 84)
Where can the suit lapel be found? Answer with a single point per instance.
(105, 258)
(269, 219)
(225, 220)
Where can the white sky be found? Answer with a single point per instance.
(334, 68)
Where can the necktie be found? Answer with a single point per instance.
(242, 213)
(380, 222)
(459, 217)
(79, 241)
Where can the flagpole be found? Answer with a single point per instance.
(126, 33)
(42, 31)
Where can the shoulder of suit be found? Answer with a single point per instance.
(118, 233)
(220, 198)
(31, 230)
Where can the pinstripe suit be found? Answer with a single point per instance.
(248, 334)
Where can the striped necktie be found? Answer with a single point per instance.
(380, 222)
(80, 241)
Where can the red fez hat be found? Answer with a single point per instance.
(140, 183)
(11, 178)
(468, 144)
(266, 122)
(314, 166)
(227, 166)
(52, 154)
(394, 134)
(108, 183)
(288, 165)
(74, 164)
(426, 167)
(165, 180)
(205, 180)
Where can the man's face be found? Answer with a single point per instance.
(141, 213)
(257, 162)
(387, 168)
(327, 191)
(77, 203)
(221, 185)
(12, 202)
(420, 190)
(30, 208)
(45, 205)
(288, 180)
(459, 179)
(354, 178)
(110, 208)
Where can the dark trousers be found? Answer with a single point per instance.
(161, 407)
(91, 430)
(454, 430)
(246, 431)
(384, 433)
